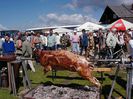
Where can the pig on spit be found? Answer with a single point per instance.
(66, 60)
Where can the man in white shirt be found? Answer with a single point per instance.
(111, 41)
(44, 41)
(57, 39)
(51, 40)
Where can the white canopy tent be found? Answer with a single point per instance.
(90, 26)
(61, 30)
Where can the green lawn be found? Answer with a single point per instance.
(66, 77)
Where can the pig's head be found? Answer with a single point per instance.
(85, 69)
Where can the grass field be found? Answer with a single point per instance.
(66, 77)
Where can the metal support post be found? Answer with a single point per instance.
(129, 81)
(12, 79)
(13, 83)
(26, 81)
(53, 74)
(113, 83)
(9, 76)
(0, 79)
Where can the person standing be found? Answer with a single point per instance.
(8, 46)
(64, 41)
(44, 41)
(19, 46)
(84, 41)
(96, 42)
(8, 49)
(130, 32)
(57, 46)
(129, 43)
(111, 42)
(75, 43)
(18, 35)
(27, 52)
(1, 42)
(51, 40)
(37, 41)
(90, 48)
(26, 48)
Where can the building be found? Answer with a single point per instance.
(10, 32)
(113, 13)
(46, 29)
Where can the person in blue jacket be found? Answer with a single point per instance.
(8, 46)
(83, 41)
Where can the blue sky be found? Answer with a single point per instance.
(23, 14)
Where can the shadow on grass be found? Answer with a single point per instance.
(72, 78)
(101, 79)
(123, 97)
(49, 83)
(19, 83)
(119, 80)
(73, 86)
(105, 91)
(66, 77)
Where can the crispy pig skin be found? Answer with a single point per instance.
(66, 60)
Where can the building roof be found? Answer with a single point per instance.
(53, 27)
(122, 10)
(115, 12)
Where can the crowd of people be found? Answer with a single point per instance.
(88, 43)
(103, 43)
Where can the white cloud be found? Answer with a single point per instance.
(53, 19)
(88, 9)
(87, 4)
(2, 27)
(72, 5)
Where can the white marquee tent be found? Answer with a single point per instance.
(90, 26)
(61, 30)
